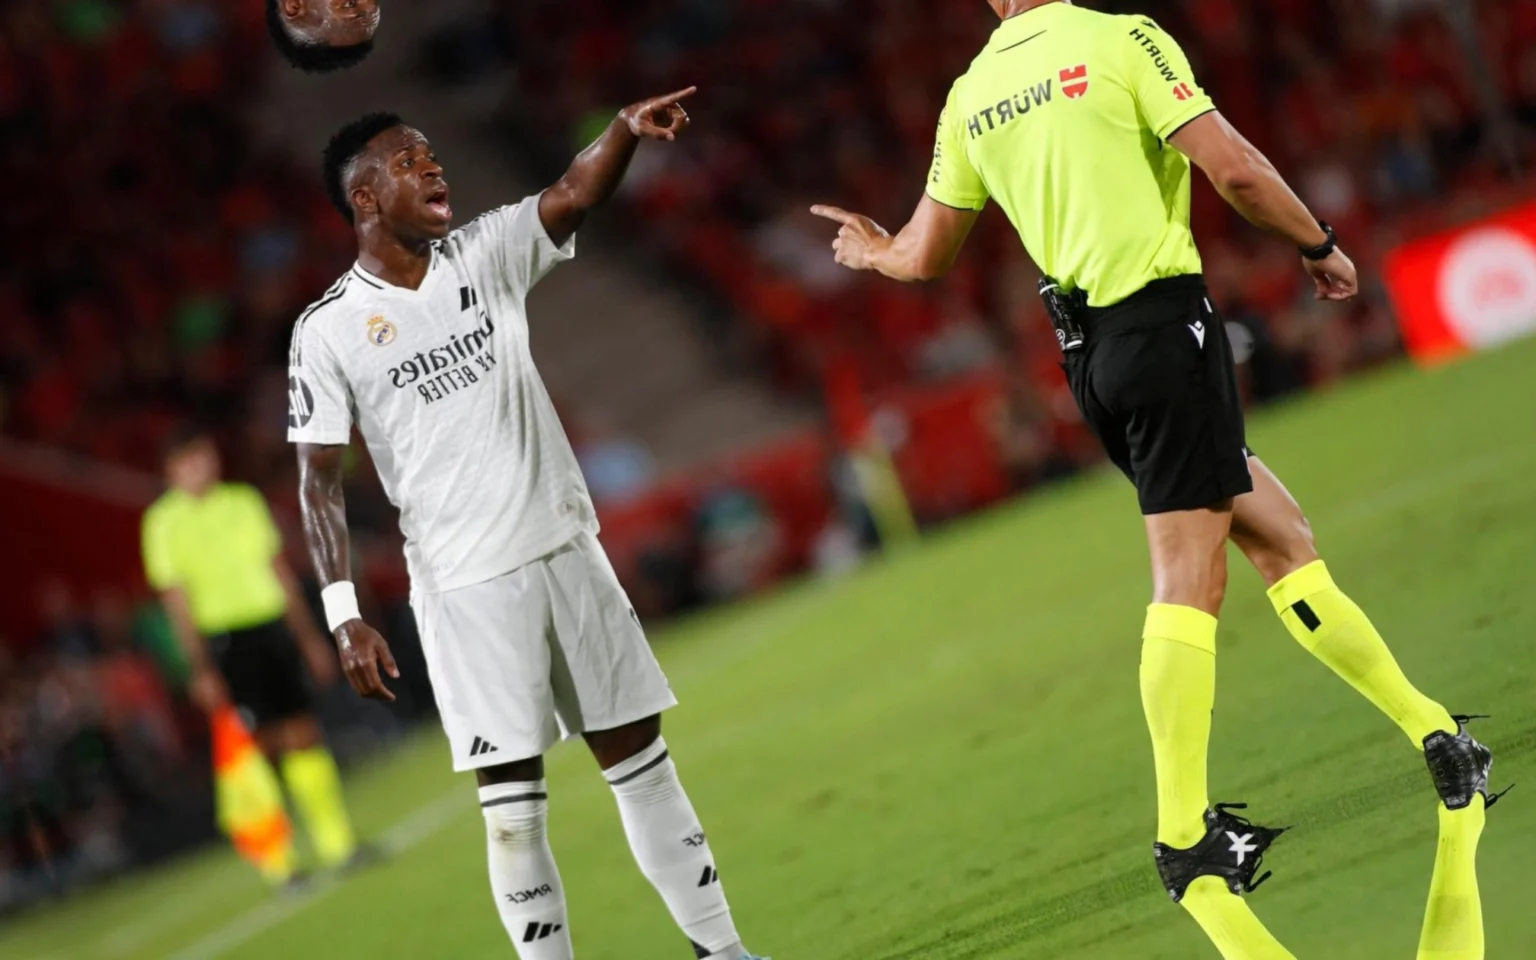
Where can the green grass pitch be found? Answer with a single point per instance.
(943, 756)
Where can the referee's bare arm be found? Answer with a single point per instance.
(925, 248)
(1250, 183)
(324, 508)
(204, 685)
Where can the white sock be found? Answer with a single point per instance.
(670, 847)
(524, 877)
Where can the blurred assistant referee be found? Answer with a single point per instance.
(213, 552)
(1082, 126)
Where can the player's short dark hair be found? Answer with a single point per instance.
(312, 57)
(347, 145)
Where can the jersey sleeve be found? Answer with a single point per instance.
(952, 180)
(514, 240)
(319, 399)
(155, 543)
(1161, 79)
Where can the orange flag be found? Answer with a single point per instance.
(249, 799)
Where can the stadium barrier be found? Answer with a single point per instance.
(1468, 289)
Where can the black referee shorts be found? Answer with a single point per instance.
(263, 670)
(1157, 384)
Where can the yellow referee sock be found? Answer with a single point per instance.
(315, 785)
(1453, 923)
(1178, 692)
(1338, 633)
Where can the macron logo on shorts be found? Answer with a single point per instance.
(1198, 329)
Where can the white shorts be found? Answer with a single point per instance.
(550, 649)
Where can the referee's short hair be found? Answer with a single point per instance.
(312, 57)
(183, 436)
(346, 146)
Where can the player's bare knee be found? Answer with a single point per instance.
(613, 747)
(519, 771)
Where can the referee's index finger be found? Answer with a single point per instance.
(835, 213)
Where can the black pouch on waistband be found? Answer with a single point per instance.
(1066, 310)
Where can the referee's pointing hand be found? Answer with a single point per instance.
(363, 652)
(858, 238)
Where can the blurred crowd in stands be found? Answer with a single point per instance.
(160, 254)
(96, 751)
(1371, 108)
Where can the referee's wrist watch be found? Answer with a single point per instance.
(1325, 249)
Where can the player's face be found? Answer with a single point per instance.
(194, 468)
(409, 188)
(343, 23)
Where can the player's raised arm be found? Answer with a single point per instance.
(323, 504)
(598, 170)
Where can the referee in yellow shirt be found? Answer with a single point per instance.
(1082, 126)
(214, 554)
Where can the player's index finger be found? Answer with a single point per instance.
(675, 96)
(388, 659)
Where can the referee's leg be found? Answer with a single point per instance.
(1178, 692)
(1270, 528)
(1178, 660)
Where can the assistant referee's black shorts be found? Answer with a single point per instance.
(263, 670)
(1156, 382)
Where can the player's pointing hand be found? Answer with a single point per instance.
(857, 239)
(660, 118)
(363, 651)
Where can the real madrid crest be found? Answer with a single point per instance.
(381, 333)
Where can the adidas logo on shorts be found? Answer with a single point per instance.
(481, 747)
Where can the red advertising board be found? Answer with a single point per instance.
(1468, 289)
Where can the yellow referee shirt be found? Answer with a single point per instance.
(1063, 120)
(218, 549)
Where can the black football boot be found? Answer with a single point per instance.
(1232, 849)
(1459, 765)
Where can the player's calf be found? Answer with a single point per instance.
(524, 878)
(672, 851)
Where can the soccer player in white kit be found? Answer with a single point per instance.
(423, 345)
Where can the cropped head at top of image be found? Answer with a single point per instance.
(320, 36)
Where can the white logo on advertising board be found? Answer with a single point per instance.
(1487, 286)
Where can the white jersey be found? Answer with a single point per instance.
(442, 386)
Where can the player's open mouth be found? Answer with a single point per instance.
(437, 202)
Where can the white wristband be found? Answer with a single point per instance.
(340, 599)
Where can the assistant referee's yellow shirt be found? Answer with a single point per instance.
(218, 549)
(1063, 120)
